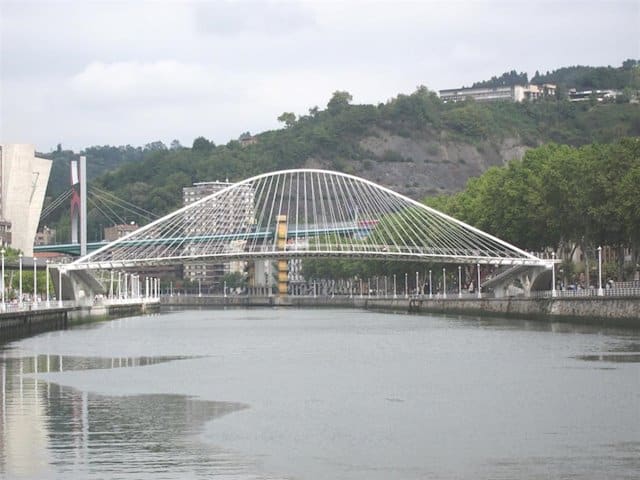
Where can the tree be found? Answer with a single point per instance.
(288, 118)
(202, 145)
(339, 101)
(175, 145)
(234, 280)
(156, 146)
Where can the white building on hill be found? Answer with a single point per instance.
(516, 93)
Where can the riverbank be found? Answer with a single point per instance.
(24, 323)
(606, 311)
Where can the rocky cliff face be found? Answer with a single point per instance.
(425, 167)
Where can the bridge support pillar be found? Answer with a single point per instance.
(283, 265)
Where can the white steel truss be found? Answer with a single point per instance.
(305, 213)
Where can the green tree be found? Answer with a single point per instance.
(339, 101)
(288, 118)
(202, 145)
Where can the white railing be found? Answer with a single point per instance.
(591, 292)
(13, 307)
(39, 305)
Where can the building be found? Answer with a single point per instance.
(117, 231)
(599, 95)
(229, 217)
(23, 183)
(45, 237)
(516, 93)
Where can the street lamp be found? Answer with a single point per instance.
(225, 289)
(444, 282)
(417, 283)
(60, 286)
(553, 274)
(406, 285)
(430, 289)
(47, 279)
(459, 281)
(35, 281)
(600, 291)
(2, 252)
(20, 280)
(395, 294)
(478, 288)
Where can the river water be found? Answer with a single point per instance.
(321, 394)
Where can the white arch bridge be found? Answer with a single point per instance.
(305, 213)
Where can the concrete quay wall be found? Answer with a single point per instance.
(30, 322)
(614, 311)
(24, 323)
(618, 311)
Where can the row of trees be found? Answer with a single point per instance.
(585, 77)
(559, 196)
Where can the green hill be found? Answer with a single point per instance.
(414, 144)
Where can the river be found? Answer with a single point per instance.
(321, 394)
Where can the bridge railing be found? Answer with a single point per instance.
(9, 307)
(590, 292)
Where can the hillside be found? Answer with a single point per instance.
(414, 144)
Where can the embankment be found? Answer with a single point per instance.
(609, 311)
(24, 323)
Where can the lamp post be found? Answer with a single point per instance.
(47, 280)
(35, 281)
(406, 285)
(200, 285)
(444, 283)
(459, 281)
(59, 286)
(417, 284)
(2, 252)
(395, 294)
(386, 288)
(430, 288)
(478, 288)
(20, 280)
(553, 274)
(224, 294)
(600, 291)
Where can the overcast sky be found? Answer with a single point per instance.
(87, 73)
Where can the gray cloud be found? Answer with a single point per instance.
(83, 73)
(236, 18)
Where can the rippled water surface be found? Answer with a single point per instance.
(321, 394)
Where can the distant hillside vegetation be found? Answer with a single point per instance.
(414, 144)
(600, 78)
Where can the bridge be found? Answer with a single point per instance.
(304, 213)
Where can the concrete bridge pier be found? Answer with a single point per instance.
(520, 280)
(77, 285)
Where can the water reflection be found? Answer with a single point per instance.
(333, 394)
(616, 358)
(51, 431)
